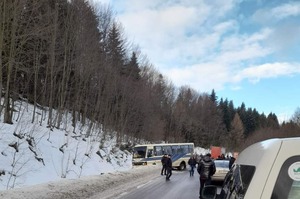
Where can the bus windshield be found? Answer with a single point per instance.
(139, 152)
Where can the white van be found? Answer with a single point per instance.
(266, 170)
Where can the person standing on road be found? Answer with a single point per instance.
(169, 167)
(163, 163)
(206, 169)
(231, 161)
(192, 162)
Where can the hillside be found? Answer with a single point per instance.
(32, 154)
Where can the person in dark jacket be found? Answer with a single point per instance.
(206, 169)
(192, 162)
(163, 163)
(231, 161)
(169, 167)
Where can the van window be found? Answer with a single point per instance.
(237, 181)
(288, 181)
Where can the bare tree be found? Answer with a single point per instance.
(2, 33)
(11, 34)
(296, 116)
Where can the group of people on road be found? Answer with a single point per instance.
(206, 168)
(166, 162)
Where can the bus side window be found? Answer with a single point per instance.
(158, 151)
(150, 153)
(167, 149)
(191, 149)
(184, 149)
(175, 149)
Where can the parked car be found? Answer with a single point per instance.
(266, 170)
(222, 168)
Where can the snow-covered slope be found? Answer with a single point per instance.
(32, 154)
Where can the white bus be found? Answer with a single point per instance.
(152, 154)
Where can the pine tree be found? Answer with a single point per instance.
(132, 69)
(115, 49)
(213, 96)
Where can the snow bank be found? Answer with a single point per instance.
(32, 154)
(105, 186)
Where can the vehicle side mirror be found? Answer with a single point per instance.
(209, 192)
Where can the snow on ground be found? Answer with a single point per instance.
(40, 163)
(199, 151)
(110, 185)
(31, 153)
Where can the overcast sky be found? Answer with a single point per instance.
(247, 50)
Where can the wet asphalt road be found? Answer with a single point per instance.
(180, 186)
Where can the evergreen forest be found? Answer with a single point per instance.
(72, 56)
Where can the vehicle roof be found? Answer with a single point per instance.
(263, 155)
(257, 152)
(264, 151)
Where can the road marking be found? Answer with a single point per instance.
(124, 193)
(139, 186)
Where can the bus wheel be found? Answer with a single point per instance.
(182, 166)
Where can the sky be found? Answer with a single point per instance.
(246, 50)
